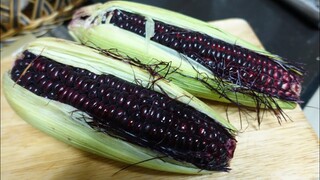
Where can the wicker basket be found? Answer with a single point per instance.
(32, 16)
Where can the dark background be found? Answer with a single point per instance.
(281, 29)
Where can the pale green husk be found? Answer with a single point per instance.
(62, 121)
(108, 36)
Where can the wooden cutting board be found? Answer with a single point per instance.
(273, 151)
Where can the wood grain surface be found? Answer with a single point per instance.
(271, 151)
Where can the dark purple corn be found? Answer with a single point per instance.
(244, 67)
(130, 112)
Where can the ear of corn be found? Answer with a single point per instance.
(190, 75)
(55, 118)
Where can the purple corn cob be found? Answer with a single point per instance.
(130, 112)
(246, 68)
